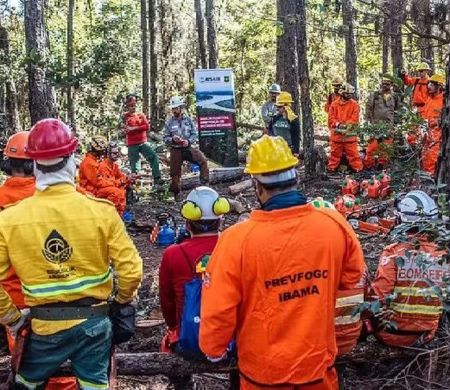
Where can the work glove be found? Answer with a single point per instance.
(123, 319)
(17, 325)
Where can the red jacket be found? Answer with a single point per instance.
(174, 273)
(138, 136)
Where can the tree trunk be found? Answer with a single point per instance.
(9, 115)
(305, 98)
(348, 19)
(69, 54)
(41, 97)
(153, 99)
(287, 56)
(421, 15)
(200, 22)
(396, 15)
(444, 157)
(385, 41)
(144, 42)
(213, 55)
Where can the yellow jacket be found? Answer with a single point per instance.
(62, 245)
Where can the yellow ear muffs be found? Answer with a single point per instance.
(221, 206)
(191, 211)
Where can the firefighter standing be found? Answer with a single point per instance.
(269, 109)
(335, 95)
(285, 123)
(272, 281)
(181, 135)
(431, 112)
(420, 85)
(380, 109)
(404, 285)
(71, 240)
(343, 118)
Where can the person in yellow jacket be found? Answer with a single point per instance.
(272, 281)
(63, 246)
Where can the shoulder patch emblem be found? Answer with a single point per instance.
(56, 249)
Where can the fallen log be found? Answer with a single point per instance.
(216, 175)
(241, 186)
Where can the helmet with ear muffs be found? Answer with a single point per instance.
(203, 203)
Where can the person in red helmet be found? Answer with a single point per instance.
(72, 242)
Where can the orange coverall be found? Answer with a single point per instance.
(272, 282)
(415, 311)
(13, 190)
(345, 113)
(420, 92)
(432, 142)
(332, 97)
(88, 173)
(112, 183)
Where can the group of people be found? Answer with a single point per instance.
(382, 108)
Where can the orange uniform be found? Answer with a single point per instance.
(343, 112)
(432, 142)
(420, 92)
(416, 311)
(330, 99)
(88, 173)
(112, 183)
(272, 283)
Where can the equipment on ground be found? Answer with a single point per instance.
(416, 205)
(350, 186)
(163, 233)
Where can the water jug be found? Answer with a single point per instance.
(385, 183)
(166, 236)
(374, 188)
(195, 168)
(350, 186)
(127, 216)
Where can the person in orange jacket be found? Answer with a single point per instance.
(431, 113)
(335, 95)
(112, 182)
(20, 185)
(407, 272)
(343, 117)
(88, 173)
(272, 280)
(420, 85)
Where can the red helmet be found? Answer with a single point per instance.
(49, 139)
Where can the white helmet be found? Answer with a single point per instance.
(416, 205)
(176, 101)
(203, 203)
(275, 88)
(347, 88)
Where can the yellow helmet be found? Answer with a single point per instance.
(423, 66)
(284, 98)
(337, 80)
(269, 154)
(438, 79)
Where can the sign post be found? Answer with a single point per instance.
(216, 122)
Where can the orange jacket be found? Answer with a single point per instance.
(345, 112)
(416, 310)
(109, 174)
(88, 173)
(272, 282)
(433, 109)
(420, 92)
(332, 97)
(13, 190)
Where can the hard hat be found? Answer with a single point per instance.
(438, 79)
(347, 88)
(98, 143)
(176, 101)
(284, 98)
(203, 203)
(275, 88)
(416, 205)
(50, 139)
(269, 154)
(337, 80)
(423, 66)
(15, 148)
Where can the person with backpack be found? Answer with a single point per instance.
(380, 109)
(419, 95)
(272, 281)
(202, 210)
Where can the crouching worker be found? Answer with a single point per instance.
(71, 240)
(91, 163)
(268, 277)
(112, 182)
(407, 273)
(181, 263)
